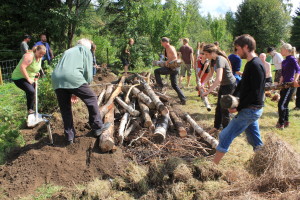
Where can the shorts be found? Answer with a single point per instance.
(185, 68)
(277, 76)
(125, 61)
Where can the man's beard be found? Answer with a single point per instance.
(243, 56)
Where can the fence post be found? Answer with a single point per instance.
(1, 81)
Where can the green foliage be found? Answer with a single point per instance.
(267, 21)
(12, 109)
(295, 33)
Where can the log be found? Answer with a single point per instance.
(208, 138)
(133, 127)
(127, 100)
(146, 116)
(229, 101)
(131, 111)
(118, 114)
(109, 104)
(101, 96)
(158, 104)
(143, 97)
(281, 86)
(161, 129)
(178, 123)
(170, 123)
(122, 126)
(163, 97)
(106, 142)
(205, 100)
(109, 90)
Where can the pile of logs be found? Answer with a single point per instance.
(133, 104)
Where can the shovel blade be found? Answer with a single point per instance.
(33, 120)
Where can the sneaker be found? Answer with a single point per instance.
(280, 126)
(286, 124)
(183, 102)
(70, 142)
(30, 111)
(98, 132)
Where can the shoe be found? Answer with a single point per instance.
(286, 124)
(30, 111)
(98, 132)
(280, 126)
(183, 102)
(70, 142)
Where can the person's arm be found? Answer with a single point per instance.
(28, 58)
(208, 77)
(51, 53)
(192, 58)
(216, 82)
(239, 65)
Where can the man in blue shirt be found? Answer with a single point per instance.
(236, 63)
(49, 54)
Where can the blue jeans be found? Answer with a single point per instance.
(246, 120)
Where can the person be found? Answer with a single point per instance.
(298, 92)
(290, 73)
(70, 80)
(251, 100)
(202, 71)
(277, 60)
(95, 66)
(187, 56)
(49, 53)
(236, 64)
(125, 55)
(24, 45)
(267, 66)
(224, 78)
(26, 71)
(171, 55)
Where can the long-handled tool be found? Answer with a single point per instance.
(36, 118)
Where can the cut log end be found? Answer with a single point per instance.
(182, 132)
(163, 110)
(208, 109)
(158, 138)
(106, 145)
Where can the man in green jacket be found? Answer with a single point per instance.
(70, 80)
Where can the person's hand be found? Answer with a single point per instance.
(232, 110)
(30, 81)
(204, 94)
(296, 84)
(37, 76)
(74, 99)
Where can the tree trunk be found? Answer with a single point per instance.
(122, 126)
(133, 127)
(143, 97)
(279, 87)
(100, 98)
(161, 129)
(159, 105)
(178, 123)
(146, 116)
(205, 100)
(106, 142)
(163, 96)
(208, 138)
(131, 111)
(109, 90)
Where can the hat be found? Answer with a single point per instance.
(27, 36)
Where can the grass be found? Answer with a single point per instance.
(43, 192)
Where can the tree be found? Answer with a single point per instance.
(295, 32)
(267, 21)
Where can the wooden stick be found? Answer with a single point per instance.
(208, 138)
(118, 114)
(131, 111)
(123, 123)
(161, 129)
(159, 105)
(133, 126)
(281, 86)
(205, 100)
(104, 109)
(146, 116)
(101, 96)
(163, 96)
(127, 100)
(109, 90)
(178, 123)
(1, 80)
(106, 142)
(143, 97)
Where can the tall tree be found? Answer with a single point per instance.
(295, 33)
(267, 21)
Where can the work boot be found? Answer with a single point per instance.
(286, 124)
(280, 126)
(183, 102)
(105, 126)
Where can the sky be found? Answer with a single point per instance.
(220, 7)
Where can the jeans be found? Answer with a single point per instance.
(298, 98)
(173, 78)
(222, 116)
(90, 100)
(246, 120)
(29, 90)
(283, 104)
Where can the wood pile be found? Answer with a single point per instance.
(139, 113)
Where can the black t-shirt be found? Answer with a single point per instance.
(251, 89)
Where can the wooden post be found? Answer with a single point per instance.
(106, 142)
(145, 114)
(161, 129)
(1, 80)
(131, 111)
(122, 126)
(178, 123)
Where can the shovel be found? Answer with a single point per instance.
(36, 118)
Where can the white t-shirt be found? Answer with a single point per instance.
(277, 60)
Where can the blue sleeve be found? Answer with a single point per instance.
(238, 64)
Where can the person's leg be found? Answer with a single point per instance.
(218, 112)
(281, 107)
(253, 132)
(173, 78)
(189, 73)
(298, 98)
(90, 99)
(289, 95)
(29, 90)
(236, 126)
(227, 89)
(64, 102)
(158, 72)
(182, 74)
